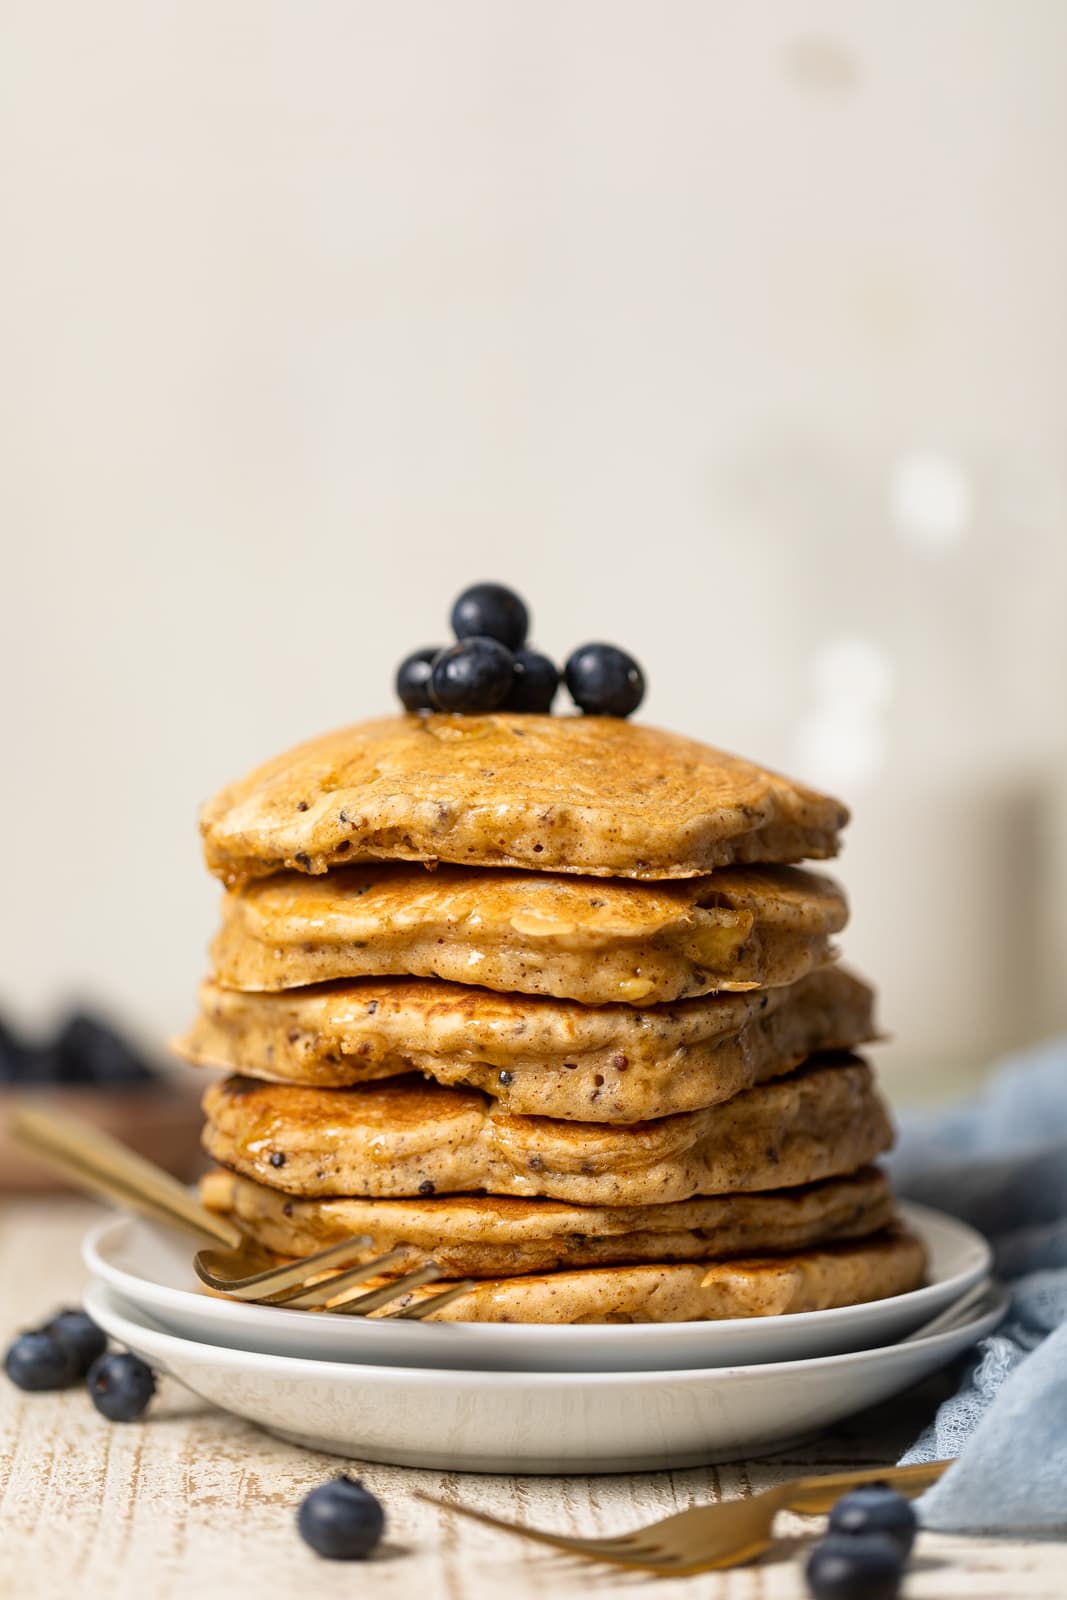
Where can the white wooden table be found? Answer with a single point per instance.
(193, 1505)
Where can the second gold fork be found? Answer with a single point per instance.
(726, 1534)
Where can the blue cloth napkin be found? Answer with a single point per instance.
(1000, 1162)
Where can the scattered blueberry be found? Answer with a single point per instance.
(473, 675)
(38, 1361)
(533, 688)
(120, 1386)
(86, 1050)
(413, 679)
(855, 1566)
(341, 1520)
(14, 1056)
(489, 611)
(604, 681)
(77, 1334)
(876, 1508)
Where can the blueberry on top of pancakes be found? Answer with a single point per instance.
(473, 675)
(491, 611)
(604, 681)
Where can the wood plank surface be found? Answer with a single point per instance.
(192, 1504)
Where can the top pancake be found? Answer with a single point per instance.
(592, 795)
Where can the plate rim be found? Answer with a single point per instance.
(500, 1334)
(364, 1372)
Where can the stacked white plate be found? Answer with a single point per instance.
(515, 1398)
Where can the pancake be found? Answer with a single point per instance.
(488, 1236)
(591, 795)
(760, 1286)
(533, 933)
(535, 1056)
(407, 1137)
(767, 1285)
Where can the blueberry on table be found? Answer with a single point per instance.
(120, 1386)
(473, 675)
(534, 685)
(341, 1520)
(604, 681)
(876, 1508)
(855, 1566)
(76, 1333)
(413, 678)
(39, 1362)
(489, 611)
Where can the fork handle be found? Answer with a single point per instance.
(107, 1169)
(812, 1495)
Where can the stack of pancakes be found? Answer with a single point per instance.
(545, 998)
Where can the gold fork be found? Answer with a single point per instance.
(723, 1535)
(236, 1265)
(300, 1285)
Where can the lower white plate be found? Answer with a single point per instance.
(536, 1422)
(151, 1268)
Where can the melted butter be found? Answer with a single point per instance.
(634, 989)
(715, 944)
(457, 728)
(536, 924)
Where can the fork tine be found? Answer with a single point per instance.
(319, 1294)
(434, 1302)
(389, 1291)
(263, 1284)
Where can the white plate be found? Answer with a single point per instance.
(151, 1269)
(538, 1421)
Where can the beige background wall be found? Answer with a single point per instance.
(735, 331)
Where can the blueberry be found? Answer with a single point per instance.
(120, 1386)
(604, 681)
(876, 1508)
(413, 678)
(474, 675)
(87, 1050)
(856, 1566)
(341, 1520)
(38, 1361)
(489, 611)
(14, 1057)
(534, 685)
(77, 1334)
